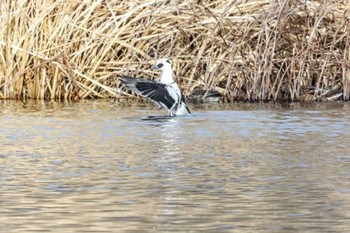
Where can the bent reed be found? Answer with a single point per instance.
(256, 50)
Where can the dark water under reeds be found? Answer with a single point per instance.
(100, 166)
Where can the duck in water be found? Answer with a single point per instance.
(165, 93)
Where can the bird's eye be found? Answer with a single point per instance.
(160, 65)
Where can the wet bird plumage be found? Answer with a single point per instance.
(156, 92)
(165, 93)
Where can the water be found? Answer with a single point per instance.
(100, 166)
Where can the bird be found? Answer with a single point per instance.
(165, 93)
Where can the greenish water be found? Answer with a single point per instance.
(100, 166)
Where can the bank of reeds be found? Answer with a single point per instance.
(252, 50)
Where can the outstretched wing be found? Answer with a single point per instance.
(157, 92)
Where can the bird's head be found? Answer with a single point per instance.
(162, 64)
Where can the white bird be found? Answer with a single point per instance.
(165, 93)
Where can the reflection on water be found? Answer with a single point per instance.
(99, 166)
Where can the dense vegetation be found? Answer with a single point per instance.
(244, 49)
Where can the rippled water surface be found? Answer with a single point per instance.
(100, 166)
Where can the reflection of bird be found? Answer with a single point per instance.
(165, 93)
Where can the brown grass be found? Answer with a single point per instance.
(246, 50)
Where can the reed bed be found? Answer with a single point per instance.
(249, 50)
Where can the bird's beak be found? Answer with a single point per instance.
(154, 67)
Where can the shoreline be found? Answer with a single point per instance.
(248, 51)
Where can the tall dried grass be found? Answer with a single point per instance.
(252, 50)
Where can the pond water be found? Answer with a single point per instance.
(104, 166)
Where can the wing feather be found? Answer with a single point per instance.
(157, 92)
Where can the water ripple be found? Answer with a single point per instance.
(97, 166)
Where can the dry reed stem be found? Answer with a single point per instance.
(246, 50)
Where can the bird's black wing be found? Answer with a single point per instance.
(184, 101)
(157, 92)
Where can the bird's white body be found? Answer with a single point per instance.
(166, 93)
(166, 77)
